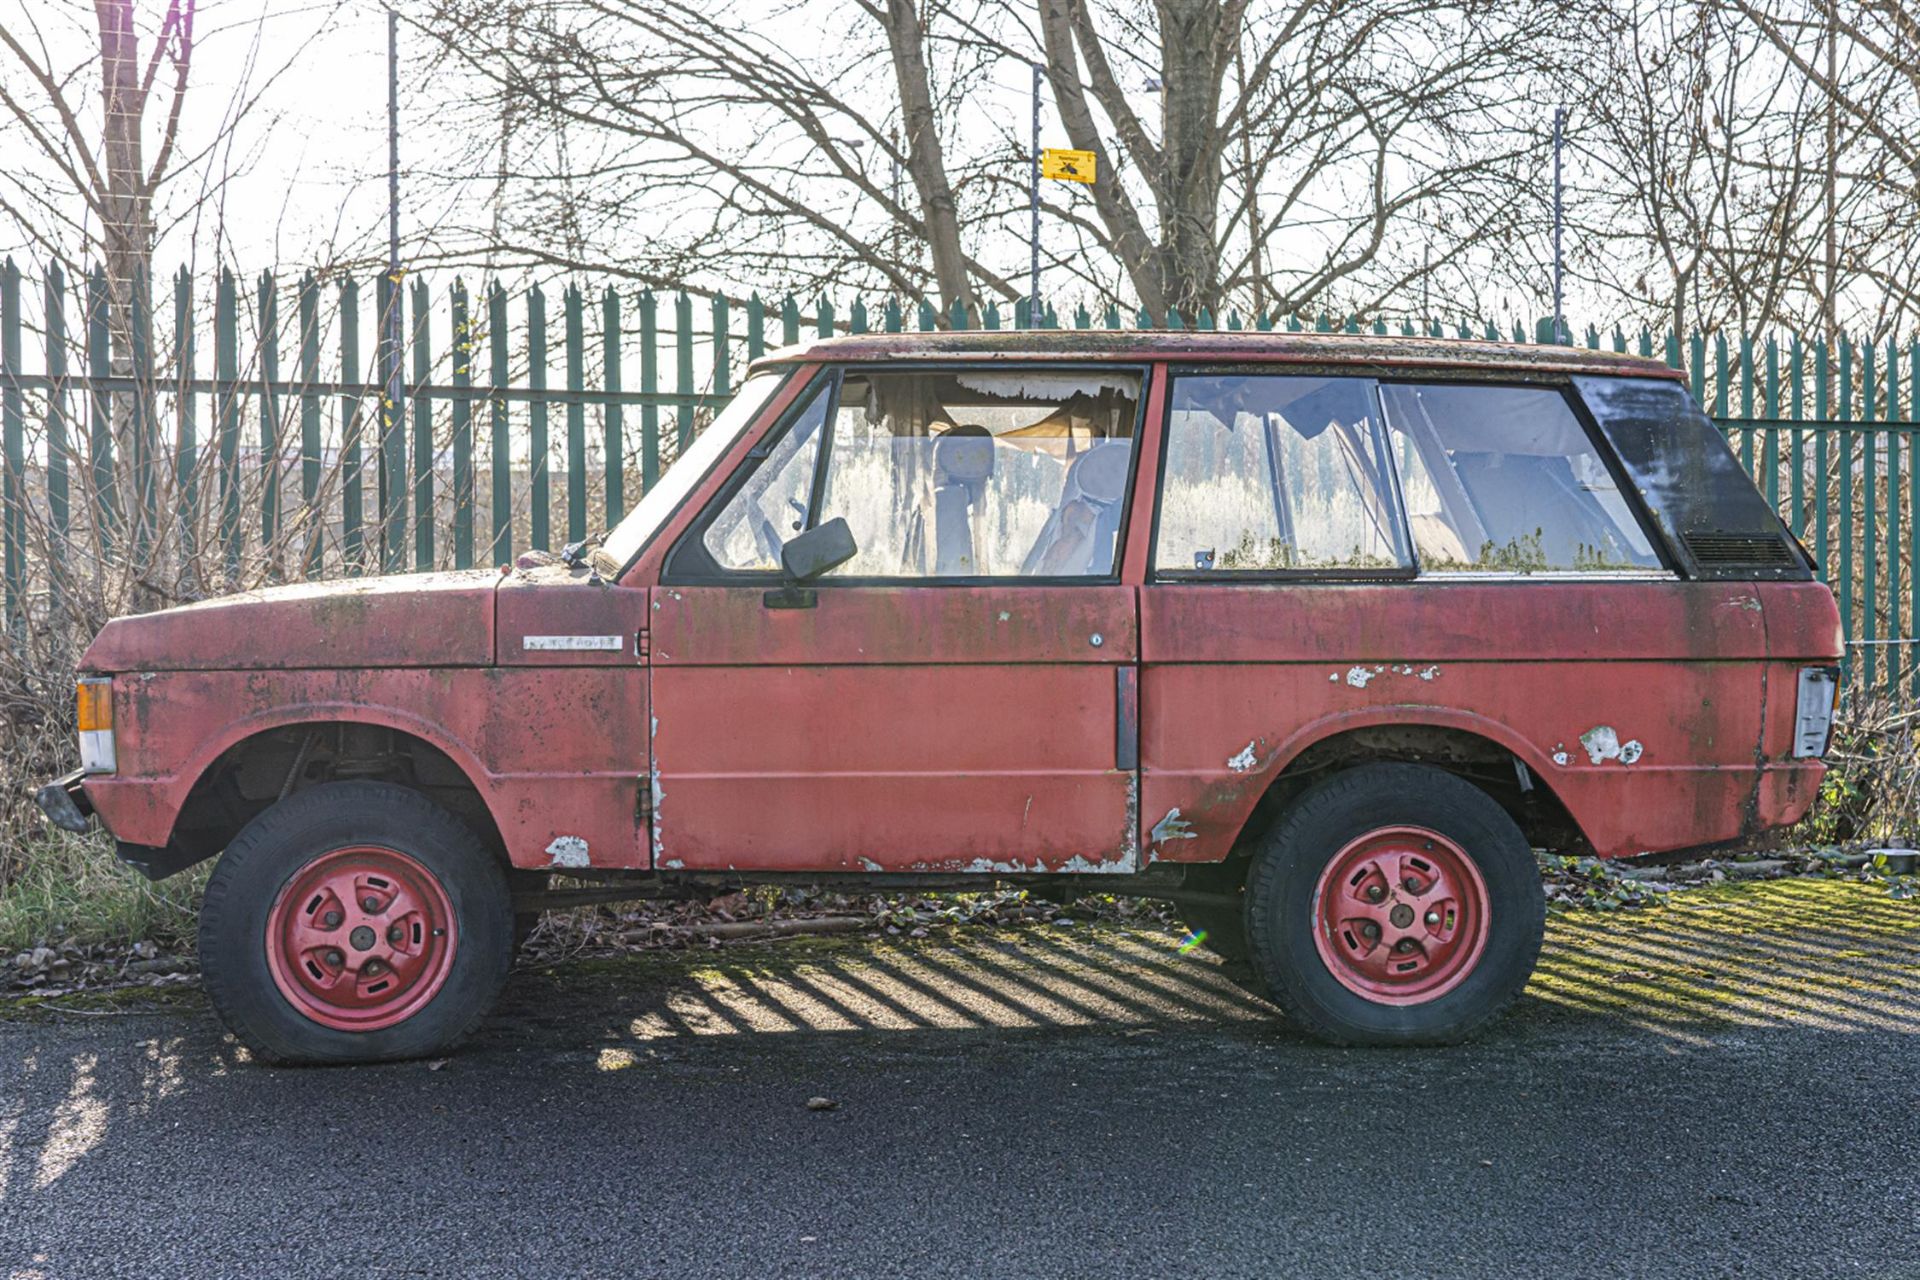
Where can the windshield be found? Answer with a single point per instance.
(685, 471)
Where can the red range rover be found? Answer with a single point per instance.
(1319, 637)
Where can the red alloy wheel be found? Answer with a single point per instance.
(1400, 915)
(361, 938)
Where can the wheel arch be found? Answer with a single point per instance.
(255, 762)
(1484, 752)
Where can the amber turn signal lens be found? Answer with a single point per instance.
(95, 704)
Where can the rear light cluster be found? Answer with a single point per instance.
(94, 705)
(1813, 711)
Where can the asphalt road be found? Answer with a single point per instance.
(1042, 1104)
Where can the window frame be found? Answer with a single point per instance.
(1397, 513)
(675, 571)
(1630, 496)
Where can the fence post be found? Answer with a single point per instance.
(391, 442)
(683, 362)
(226, 377)
(353, 546)
(1913, 513)
(650, 389)
(423, 511)
(499, 432)
(789, 321)
(1770, 434)
(1896, 631)
(59, 500)
(539, 516)
(1822, 412)
(576, 416)
(722, 347)
(1846, 491)
(106, 504)
(1796, 444)
(1746, 401)
(1869, 524)
(145, 428)
(14, 490)
(756, 328)
(269, 320)
(462, 410)
(310, 460)
(612, 423)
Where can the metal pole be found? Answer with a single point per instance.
(1033, 197)
(1559, 129)
(392, 537)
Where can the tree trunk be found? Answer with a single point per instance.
(926, 160)
(1193, 39)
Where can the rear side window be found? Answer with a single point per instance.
(1507, 480)
(1271, 474)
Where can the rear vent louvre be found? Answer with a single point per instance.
(1741, 550)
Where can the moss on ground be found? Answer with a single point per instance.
(1832, 953)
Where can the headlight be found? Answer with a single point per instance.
(94, 704)
(1813, 712)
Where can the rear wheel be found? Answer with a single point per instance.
(354, 922)
(1394, 904)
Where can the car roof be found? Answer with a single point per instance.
(1364, 350)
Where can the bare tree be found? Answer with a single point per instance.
(141, 91)
(1862, 59)
(1354, 123)
(1291, 156)
(771, 161)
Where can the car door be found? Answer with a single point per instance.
(956, 698)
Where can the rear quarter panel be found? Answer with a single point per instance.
(1639, 704)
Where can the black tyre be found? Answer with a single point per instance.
(1394, 904)
(355, 922)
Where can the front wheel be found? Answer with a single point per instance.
(354, 922)
(1394, 904)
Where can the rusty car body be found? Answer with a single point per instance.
(1318, 636)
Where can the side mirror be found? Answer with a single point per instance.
(807, 556)
(818, 550)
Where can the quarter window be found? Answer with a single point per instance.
(772, 505)
(1276, 473)
(1506, 480)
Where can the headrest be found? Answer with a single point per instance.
(1101, 472)
(963, 455)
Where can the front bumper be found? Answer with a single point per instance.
(65, 803)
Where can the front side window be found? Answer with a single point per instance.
(982, 473)
(945, 474)
(1506, 480)
(1275, 474)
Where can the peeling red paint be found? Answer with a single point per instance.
(983, 728)
(415, 620)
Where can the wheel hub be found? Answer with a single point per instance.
(360, 938)
(1400, 915)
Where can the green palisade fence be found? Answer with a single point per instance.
(120, 455)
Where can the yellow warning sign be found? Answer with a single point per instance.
(1065, 165)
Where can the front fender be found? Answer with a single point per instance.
(556, 754)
